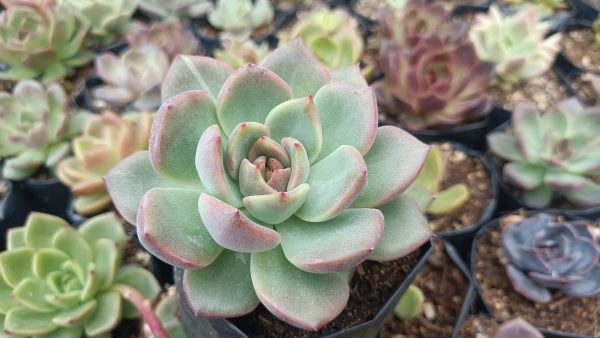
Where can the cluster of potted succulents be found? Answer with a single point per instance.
(299, 168)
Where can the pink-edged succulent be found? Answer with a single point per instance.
(267, 182)
(169, 35)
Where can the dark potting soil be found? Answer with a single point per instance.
(567, 314)
(582, 84)
(444, 287)
(372, 285)
(478, 326)
(469, 170)
(580, 48)
(544, 91)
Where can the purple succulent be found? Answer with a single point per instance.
(547, 255)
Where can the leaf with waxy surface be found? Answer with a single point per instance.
(276, 207)
(189, 72)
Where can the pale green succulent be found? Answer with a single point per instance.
(268, 183)
(163, 9)
(107, 18)
(332, 34)
(166, 310)
(60, 282)
(237, 53)
(41, 39)
(410, 304)
(516, 43)
(241, 17)
(35, 128)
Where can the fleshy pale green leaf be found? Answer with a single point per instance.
(15, 238)
(333, 246)
(588, 195)
(66, 332)
(304, 299)
(30, 293)
(141, 280)
(300, 163)
(74, 245)
(410, 304)
(16, 265)
(7, 301)
(276, 207)
(393, 163)
(524, 176)
(449, 200)
(25, 322)
(107, 260)
(350, 75)
(75, 316)
(107, 314)
(335, 182)
(104, 226)
(41, 228)
(241, 139)
(189, 72)
(46, 261)
(405, 229)
(505, 146)
(170, 227)
(228, 278)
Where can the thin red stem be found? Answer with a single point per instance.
(145, 308)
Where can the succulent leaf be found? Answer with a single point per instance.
(241, 17)
(169, 35)
(107, 19)
(185, 9)
(237, 53)
(410, 304)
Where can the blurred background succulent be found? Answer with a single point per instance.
(167, 312)
(290, 5)
(106, 140)
(517, 327)
(169, 35)
(183, 9)
(62, 282)
(108, 19)
(35, 128)
(410, 304)
(237, 53)
(546, 255)
(261, 184)
(32, 45)
(552, 154)
(134, 77)
(241, 17)
(597, 31)
(332, 34)
(515, 43)
(546, 7)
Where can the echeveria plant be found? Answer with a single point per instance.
(60, 282)
(237, 53)
(517, 327)
(267, 182)
(163, 9)
(169, 35)
(107, 18)
(552, 154)
(41, 39)
(546, 255)
(332, 34)
(106, 140)
(35, 128)
(516, 43)
(241, 17)
(133, 78)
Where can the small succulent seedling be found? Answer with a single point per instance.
(237, 53)
(433, 78)
(332, 34)
(35, 128)
(266, 183)
(241, 17)
(410, 304)
(166, 310)
(33, 46)
(168, 35)
(60, 282)
(546, 255)
(107, 18)
(106, 140)
(544, 6)
(516, 43)
(434, 200)
(555, 154)
(517, 327)
(183, 9)
(133, 78)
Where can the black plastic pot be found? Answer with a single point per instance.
(199, 327)
(14, 209)
(584, 11)
(562, 59)
(487, 227)
(468, 9)
(48, 196)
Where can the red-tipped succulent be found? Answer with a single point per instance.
(264, 183)
(547, 255)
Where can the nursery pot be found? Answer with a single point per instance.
(474, 264)
(563, 62)
(48, 196)
(583, 10)
(14, 208)
(197, 326)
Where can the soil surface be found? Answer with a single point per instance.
(544, 91)
(444, 287)
(478, 326)
(372, 285)
(582, 84)
(579, 46)
(469, 170)
(567, 314)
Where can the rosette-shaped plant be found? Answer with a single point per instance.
(106, 140)
(133, 78)
(265, 183)
(516, 43)
(35, 128)
(60, 282)
(41, 39)
(433, 85)
(546, 255)
(162, 9)
(107, 18)
(552, 154)
(241, 17)
(237, 53)
(332, 34)
(169, 35)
